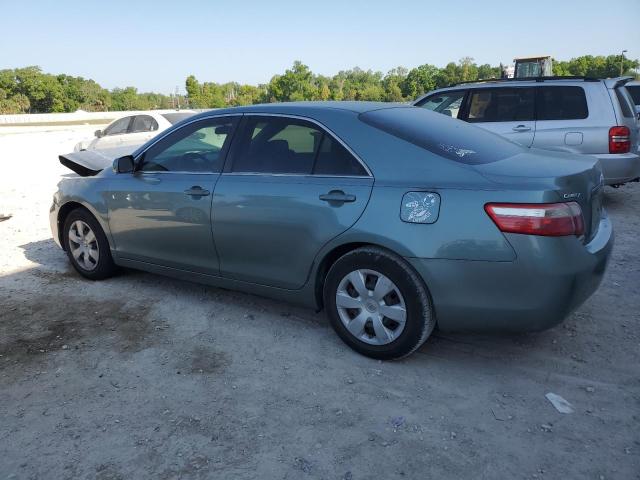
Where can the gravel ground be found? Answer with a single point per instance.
(143, 376)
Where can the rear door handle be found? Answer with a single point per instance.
(521, 128)
(337, 196)
(197, 191)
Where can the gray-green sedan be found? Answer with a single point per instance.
(392, 218)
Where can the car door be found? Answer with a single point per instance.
(561, 122)
(114, 134)
(507, 111)
(161, 213)
(289, 187)
(142, 129)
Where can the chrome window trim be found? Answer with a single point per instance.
(308, 175)
(258, 114)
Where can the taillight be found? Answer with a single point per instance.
(619, 140)
(549, 219)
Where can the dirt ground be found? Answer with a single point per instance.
(142, 376)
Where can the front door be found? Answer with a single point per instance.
(289, 187)
(161, 214)
(507, 111)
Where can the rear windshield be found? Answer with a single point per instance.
(624, 101)
(444, 136)
(634, 91)
(173, 118)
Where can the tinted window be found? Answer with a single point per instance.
(118, 127)
(443, 136)
(624, 101)
(197, 147)
(334, 159)
(447, 103)
(144, 123)
(634, 91)
(562, 103)
(501, 105)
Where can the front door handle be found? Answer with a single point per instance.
(521, 128)
(337, 196)
(197, 191)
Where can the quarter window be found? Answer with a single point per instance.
(197, 147)
(447, 103)
(501, 105)
(562, 103)
(144, 123)
(118, 127)
(279, 145)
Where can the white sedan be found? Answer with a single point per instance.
(132, 130)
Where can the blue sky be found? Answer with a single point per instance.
(154, 45)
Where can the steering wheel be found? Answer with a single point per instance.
(193, 161)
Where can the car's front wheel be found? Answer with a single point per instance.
(377, 303)
(87, 246)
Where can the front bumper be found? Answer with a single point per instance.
(619, 168)
(53, 223)
(535, 292)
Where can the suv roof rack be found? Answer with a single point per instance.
(529, 79)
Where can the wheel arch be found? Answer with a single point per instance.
(64, 212)
(329, 258)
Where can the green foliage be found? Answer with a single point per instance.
(28, 89)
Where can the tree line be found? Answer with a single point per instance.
(29, 90)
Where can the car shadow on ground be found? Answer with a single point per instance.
(53, 267)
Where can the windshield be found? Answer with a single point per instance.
(449, 138)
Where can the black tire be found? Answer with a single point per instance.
(420, 320)
(104, 267)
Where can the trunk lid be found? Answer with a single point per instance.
(573, 178)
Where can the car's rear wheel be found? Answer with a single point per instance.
(377, 303)
(87, 246)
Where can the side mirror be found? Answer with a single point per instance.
(99, 133)
(123, 164)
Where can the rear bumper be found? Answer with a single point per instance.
(535, 292)
(619, 168)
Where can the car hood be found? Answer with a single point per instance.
(87, 163)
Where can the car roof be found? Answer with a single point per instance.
(305, 108)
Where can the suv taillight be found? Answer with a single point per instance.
(619, 140)
(548, 219)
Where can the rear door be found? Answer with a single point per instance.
(562, 120)
(289, 187)
(507, 111)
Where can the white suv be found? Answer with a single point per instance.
(569, 114)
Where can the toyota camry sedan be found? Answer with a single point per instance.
(391, 218)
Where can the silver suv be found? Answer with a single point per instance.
(634, 90)
(569, 114)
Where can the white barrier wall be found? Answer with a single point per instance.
(62, 118)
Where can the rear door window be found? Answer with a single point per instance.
(448, 103)
(280, 145)
(143, 123)
(501, 105)
(561, 103)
